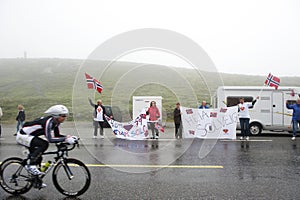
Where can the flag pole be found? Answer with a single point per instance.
(261, 90)
(263, 87)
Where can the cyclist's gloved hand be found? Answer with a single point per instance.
(75, 138)
(71, 139)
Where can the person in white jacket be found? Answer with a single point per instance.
(244, 117)
(99, 112)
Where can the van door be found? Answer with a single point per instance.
(277, 108)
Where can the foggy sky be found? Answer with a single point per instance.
(245, 37)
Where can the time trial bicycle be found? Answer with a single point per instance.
(70, 176)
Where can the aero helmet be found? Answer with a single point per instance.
(57, 110)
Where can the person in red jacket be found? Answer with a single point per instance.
(154, 115)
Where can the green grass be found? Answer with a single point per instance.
(40, 83)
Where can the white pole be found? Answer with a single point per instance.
(261, 90)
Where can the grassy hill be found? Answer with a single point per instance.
(39, 83)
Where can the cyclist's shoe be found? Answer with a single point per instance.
(39, 185)
(32, 169)
(43, 185)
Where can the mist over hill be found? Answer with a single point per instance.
(39, 83)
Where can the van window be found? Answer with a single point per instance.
(291, 102)
(233, 101)
(108, 110)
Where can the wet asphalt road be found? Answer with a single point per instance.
(266, 167)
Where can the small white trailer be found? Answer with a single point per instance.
(269, 112)
(140, 103)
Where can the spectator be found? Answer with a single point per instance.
(20, 118)
(243, 109)
(203, 105)
(177, 121)
(296, 116)
(1, 114)
(154, 115)
(98, 117)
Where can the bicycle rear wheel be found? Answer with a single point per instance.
(71, 177)
(14, 178)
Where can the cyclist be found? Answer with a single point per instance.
(47, 126)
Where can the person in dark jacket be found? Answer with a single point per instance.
(296, 116)
(177, 121)
(203, 105)
(20, 118)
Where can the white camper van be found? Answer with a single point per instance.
(269, 112)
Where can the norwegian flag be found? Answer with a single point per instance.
(272, 81)
(159, 127)
(292, 92)
(89, 81)
(223, 110)
(213, 114)
(189, 111)
(191, 132)
(93, 83)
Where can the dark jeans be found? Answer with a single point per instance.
(37, 147)
(295, 127)
(178, 131)
(19, 123)
(244, 122)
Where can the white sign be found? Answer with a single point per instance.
(217, 123)
(135, 130)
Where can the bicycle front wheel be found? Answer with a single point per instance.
(71, 177)
(14, 178)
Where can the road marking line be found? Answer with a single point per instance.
(158, 166)
(246, 140)
(154, 166)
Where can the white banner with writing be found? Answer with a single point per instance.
(135, 130)
(219, 123)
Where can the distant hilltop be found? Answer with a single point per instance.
(42, 82)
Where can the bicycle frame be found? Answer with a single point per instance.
(62, 150)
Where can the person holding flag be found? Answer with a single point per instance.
(244, 117)
(296, 116)
(98, 116)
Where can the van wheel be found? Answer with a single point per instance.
(255, 129)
